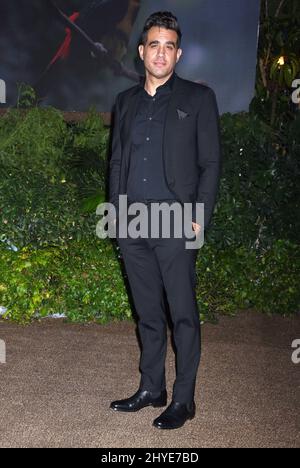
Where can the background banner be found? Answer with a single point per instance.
(80, 53)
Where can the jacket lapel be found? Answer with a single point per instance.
(169, 125)
(126, 124)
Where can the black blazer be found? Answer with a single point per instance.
(191, 144)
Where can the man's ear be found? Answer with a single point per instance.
(179, 52)
(141, 51)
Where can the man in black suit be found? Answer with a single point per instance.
(165, 148)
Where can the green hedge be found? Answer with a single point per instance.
(82, 280)
(47, 169)
(85, 281)
(259, 198)
(53, 175)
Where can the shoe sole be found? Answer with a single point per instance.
(174, 427)
(154, 405)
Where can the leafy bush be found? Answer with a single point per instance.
(84, 281)
(34, 141)
(238, 278)
(87, 157)
(259, 199)
(40, 180)
(53, 175)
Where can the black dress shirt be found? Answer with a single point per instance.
(146, 177)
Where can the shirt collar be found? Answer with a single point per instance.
(166, 87)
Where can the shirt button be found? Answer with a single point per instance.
(145, 159)
(150, 118)
(144, 180)
(153, 99)
(147, 138)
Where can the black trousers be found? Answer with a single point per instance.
(153, 265)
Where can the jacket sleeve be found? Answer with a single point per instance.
(115, 160)
(209, 154)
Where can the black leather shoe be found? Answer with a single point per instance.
(175, 415)
(139, 400)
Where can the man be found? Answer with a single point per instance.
(166, 148)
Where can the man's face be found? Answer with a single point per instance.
(160, 53)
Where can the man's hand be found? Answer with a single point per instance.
(196, 228)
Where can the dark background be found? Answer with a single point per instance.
(219, 48)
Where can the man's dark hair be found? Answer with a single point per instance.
(163, 19)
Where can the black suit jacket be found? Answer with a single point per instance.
(191, 144)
